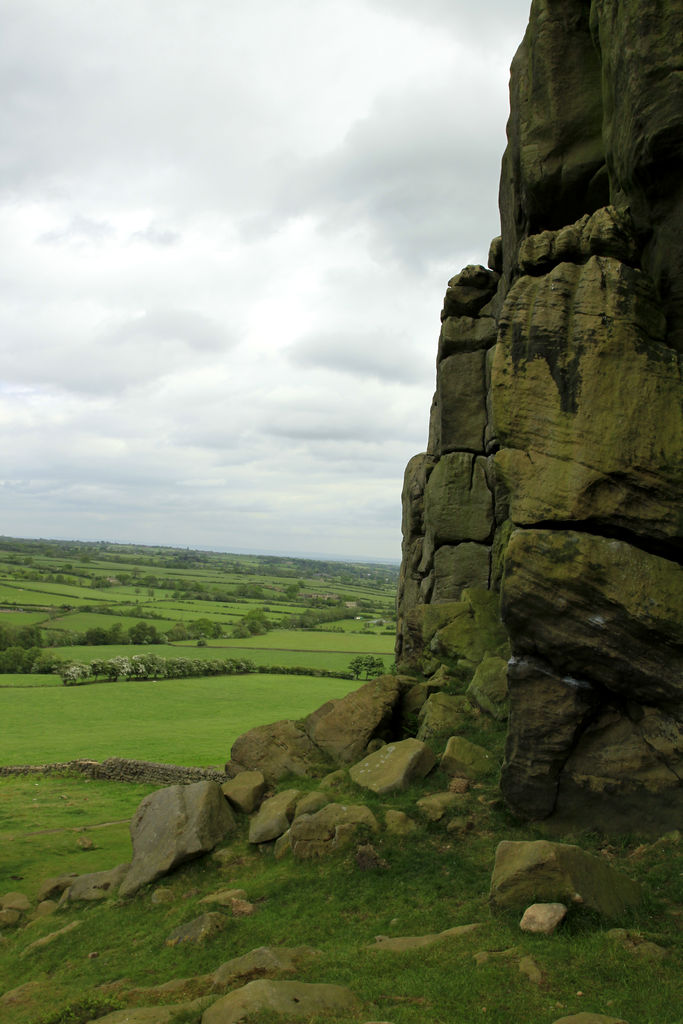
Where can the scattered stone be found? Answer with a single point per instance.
(367, 858)
(289, 998)
(484, 955)
(274, 816)
(45, 908)
(464, 758)
(93, 956)
(435, 805)
(225, 897)
(174, 825)
(15, 901)
(637, 945)
(334, 780)
(589, 1018)
(163, 895)
(52, 887)
(394, 766)
(21, 995)
(85, 843)
(329, 829)
(459, 784)
(402, 943)
(47, 940)
(556, 872)
(543, 918)
(459, 826)
(8, 918)
(310, 803)
(152, 1014)
(198, 931)
(529, 967)
(98, 885)
(242, 908)
(245, 791)
(399, 824)
(283, 845)
(265, 961)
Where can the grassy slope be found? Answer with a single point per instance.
(432, 881)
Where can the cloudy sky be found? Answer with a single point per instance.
(227, 227)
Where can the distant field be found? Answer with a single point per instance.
(312, 640)
(189, 721)
(17, 619)
(79, 622)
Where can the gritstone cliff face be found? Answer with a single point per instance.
(553, 479)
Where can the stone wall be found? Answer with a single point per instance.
(121, 769)
(554, 469)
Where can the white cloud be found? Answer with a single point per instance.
(227, 232)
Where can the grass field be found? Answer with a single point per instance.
(188, 721)
(43, 817)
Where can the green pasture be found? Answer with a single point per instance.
(23, 593)
(42, 818)
(313, 640)
(18, 619)
(79, 622)
(188, 721)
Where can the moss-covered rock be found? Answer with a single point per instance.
(474, 630)
(526, 872)
(458, 503)
(588, 402)
(489, 687)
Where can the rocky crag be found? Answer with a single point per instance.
(549, 497)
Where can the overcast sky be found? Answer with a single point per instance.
(227, 227)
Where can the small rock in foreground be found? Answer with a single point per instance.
(543, 918)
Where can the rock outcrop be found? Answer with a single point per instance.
(553, 476)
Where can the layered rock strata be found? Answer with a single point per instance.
(554, 469)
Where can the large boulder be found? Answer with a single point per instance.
(467, 760)
(98, 885)
(276, 750)
(442, 714)
(274, 816)
(245, 791)
(541, 871)
(329, 829)
(343, 728)
(175, 825)
(394, 766)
